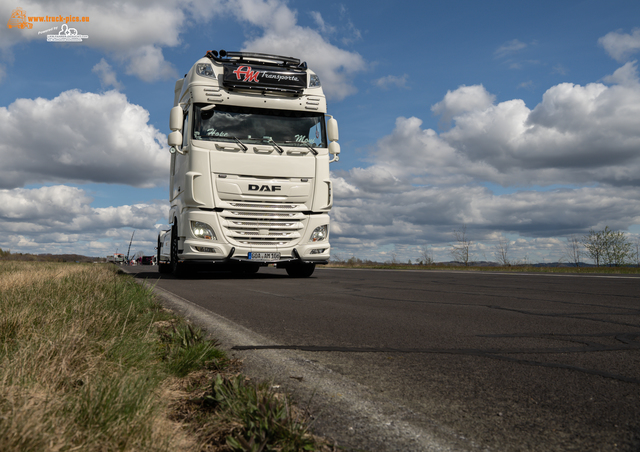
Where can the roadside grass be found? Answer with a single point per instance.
(625, 270)
(89, 361)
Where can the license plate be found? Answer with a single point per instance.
(264, 256)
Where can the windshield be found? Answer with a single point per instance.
(257, 125)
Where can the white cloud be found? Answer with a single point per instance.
(80, 137)
(626, 75)
(282, 36)
(509, 48)
(128, 31)
(619, 45)
(421, 185)
(322, 25)
(430, 214)
(463, 99)
(334, 66)
(135, 34)
(106, 74)
(60, 219)
(391, 81)
(148, 64)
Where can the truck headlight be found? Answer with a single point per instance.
(320, 233)
(205, 70)
(202, 230)
(314, 81)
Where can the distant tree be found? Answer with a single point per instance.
(501, 251)
(426, 255)
(336, 257)
(608, 247)
(573, 250)
(594, 243)
(636, 252)
(618, 251)
(461, 248)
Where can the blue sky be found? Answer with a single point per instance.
(516, 119)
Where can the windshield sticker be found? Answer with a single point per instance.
(215, 133)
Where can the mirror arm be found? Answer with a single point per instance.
(174, 149)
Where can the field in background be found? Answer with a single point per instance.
(357, 263)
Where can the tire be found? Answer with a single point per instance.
(301, 270)
(163, 269)
(176, 268)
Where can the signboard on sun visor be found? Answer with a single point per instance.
(263, 77)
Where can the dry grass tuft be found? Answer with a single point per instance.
(75, 370)
(88, 361)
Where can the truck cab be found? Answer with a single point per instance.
(250, 186)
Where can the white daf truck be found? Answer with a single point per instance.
(251, 145)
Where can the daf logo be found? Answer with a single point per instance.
(253, 187)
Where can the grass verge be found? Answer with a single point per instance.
(89, 361)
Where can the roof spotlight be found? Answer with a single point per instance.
(223, 53)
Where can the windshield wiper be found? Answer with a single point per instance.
(273, 143)
(306, 143)
(242, 145)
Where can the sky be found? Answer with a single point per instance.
(512, 120)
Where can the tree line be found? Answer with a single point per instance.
(605, 248)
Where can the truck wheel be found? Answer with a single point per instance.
(301, 270)
(162, 268)
(176, 267)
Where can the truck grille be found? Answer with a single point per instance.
(247, 205)
(261, 227)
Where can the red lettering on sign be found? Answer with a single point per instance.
(249, 75)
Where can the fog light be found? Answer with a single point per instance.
(318, 251)
(205, 249)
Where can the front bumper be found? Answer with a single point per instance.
(199, 251)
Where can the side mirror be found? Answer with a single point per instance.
(175, 119)
(332, 129)
(334, 149)
(175, 139)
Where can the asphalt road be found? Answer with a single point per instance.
(409, 360)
